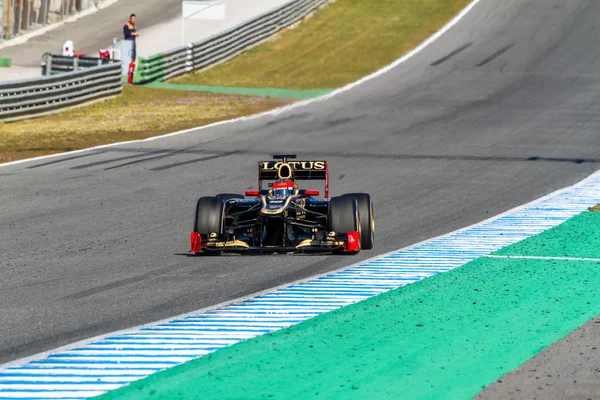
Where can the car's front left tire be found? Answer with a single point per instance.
(367, 219)
(209, 218)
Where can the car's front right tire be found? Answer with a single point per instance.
(367, 219)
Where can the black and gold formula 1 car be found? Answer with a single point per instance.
(283, 218)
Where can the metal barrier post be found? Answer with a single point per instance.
(1, 21)
(46, 64)
(19, 5)
(45, 12)
(28, 14)
(11, 19)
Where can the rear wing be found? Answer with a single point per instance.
(294, 170)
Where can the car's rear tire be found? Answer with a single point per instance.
(343, 215)
(229, 196)
(209, 218)
(367, 219)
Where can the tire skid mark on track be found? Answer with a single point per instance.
(195, 160)
(216, 153)
(451, 54)
(495, 55)
(92, 153)
(102, 162)
(159, 157)
(102, 364)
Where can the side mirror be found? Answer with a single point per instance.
(252, 193)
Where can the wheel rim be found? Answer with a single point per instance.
(372, 221)
(358, 224)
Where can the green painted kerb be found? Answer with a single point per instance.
(5, 62)
(445, 337)
(261, 92)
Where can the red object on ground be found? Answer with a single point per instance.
(130, 74)
(78, 54)
(196, 242)
(104, 54)
(353, 242)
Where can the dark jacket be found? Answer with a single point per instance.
(128, 29)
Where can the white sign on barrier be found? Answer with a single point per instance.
(200, 10)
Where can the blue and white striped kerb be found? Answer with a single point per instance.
(116, 360)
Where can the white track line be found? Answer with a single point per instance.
(280, 110)
(545, 258)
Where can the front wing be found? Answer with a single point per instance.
(348, 243)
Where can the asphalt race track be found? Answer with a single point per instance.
(501, 110)
(566, 370)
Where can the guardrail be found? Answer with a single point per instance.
(38, 96)
(53, 64)
(222, 46)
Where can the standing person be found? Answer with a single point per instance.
(130, 33)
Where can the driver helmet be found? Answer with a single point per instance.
(283, 188)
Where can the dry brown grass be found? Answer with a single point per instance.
(596, 208)
(138, 113)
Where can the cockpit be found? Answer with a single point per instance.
(284, 188)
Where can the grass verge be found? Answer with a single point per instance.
(338, 44)
(138, 113)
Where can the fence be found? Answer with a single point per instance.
(33, 97)
(53, 64)
(223, 46)
(21, 16)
